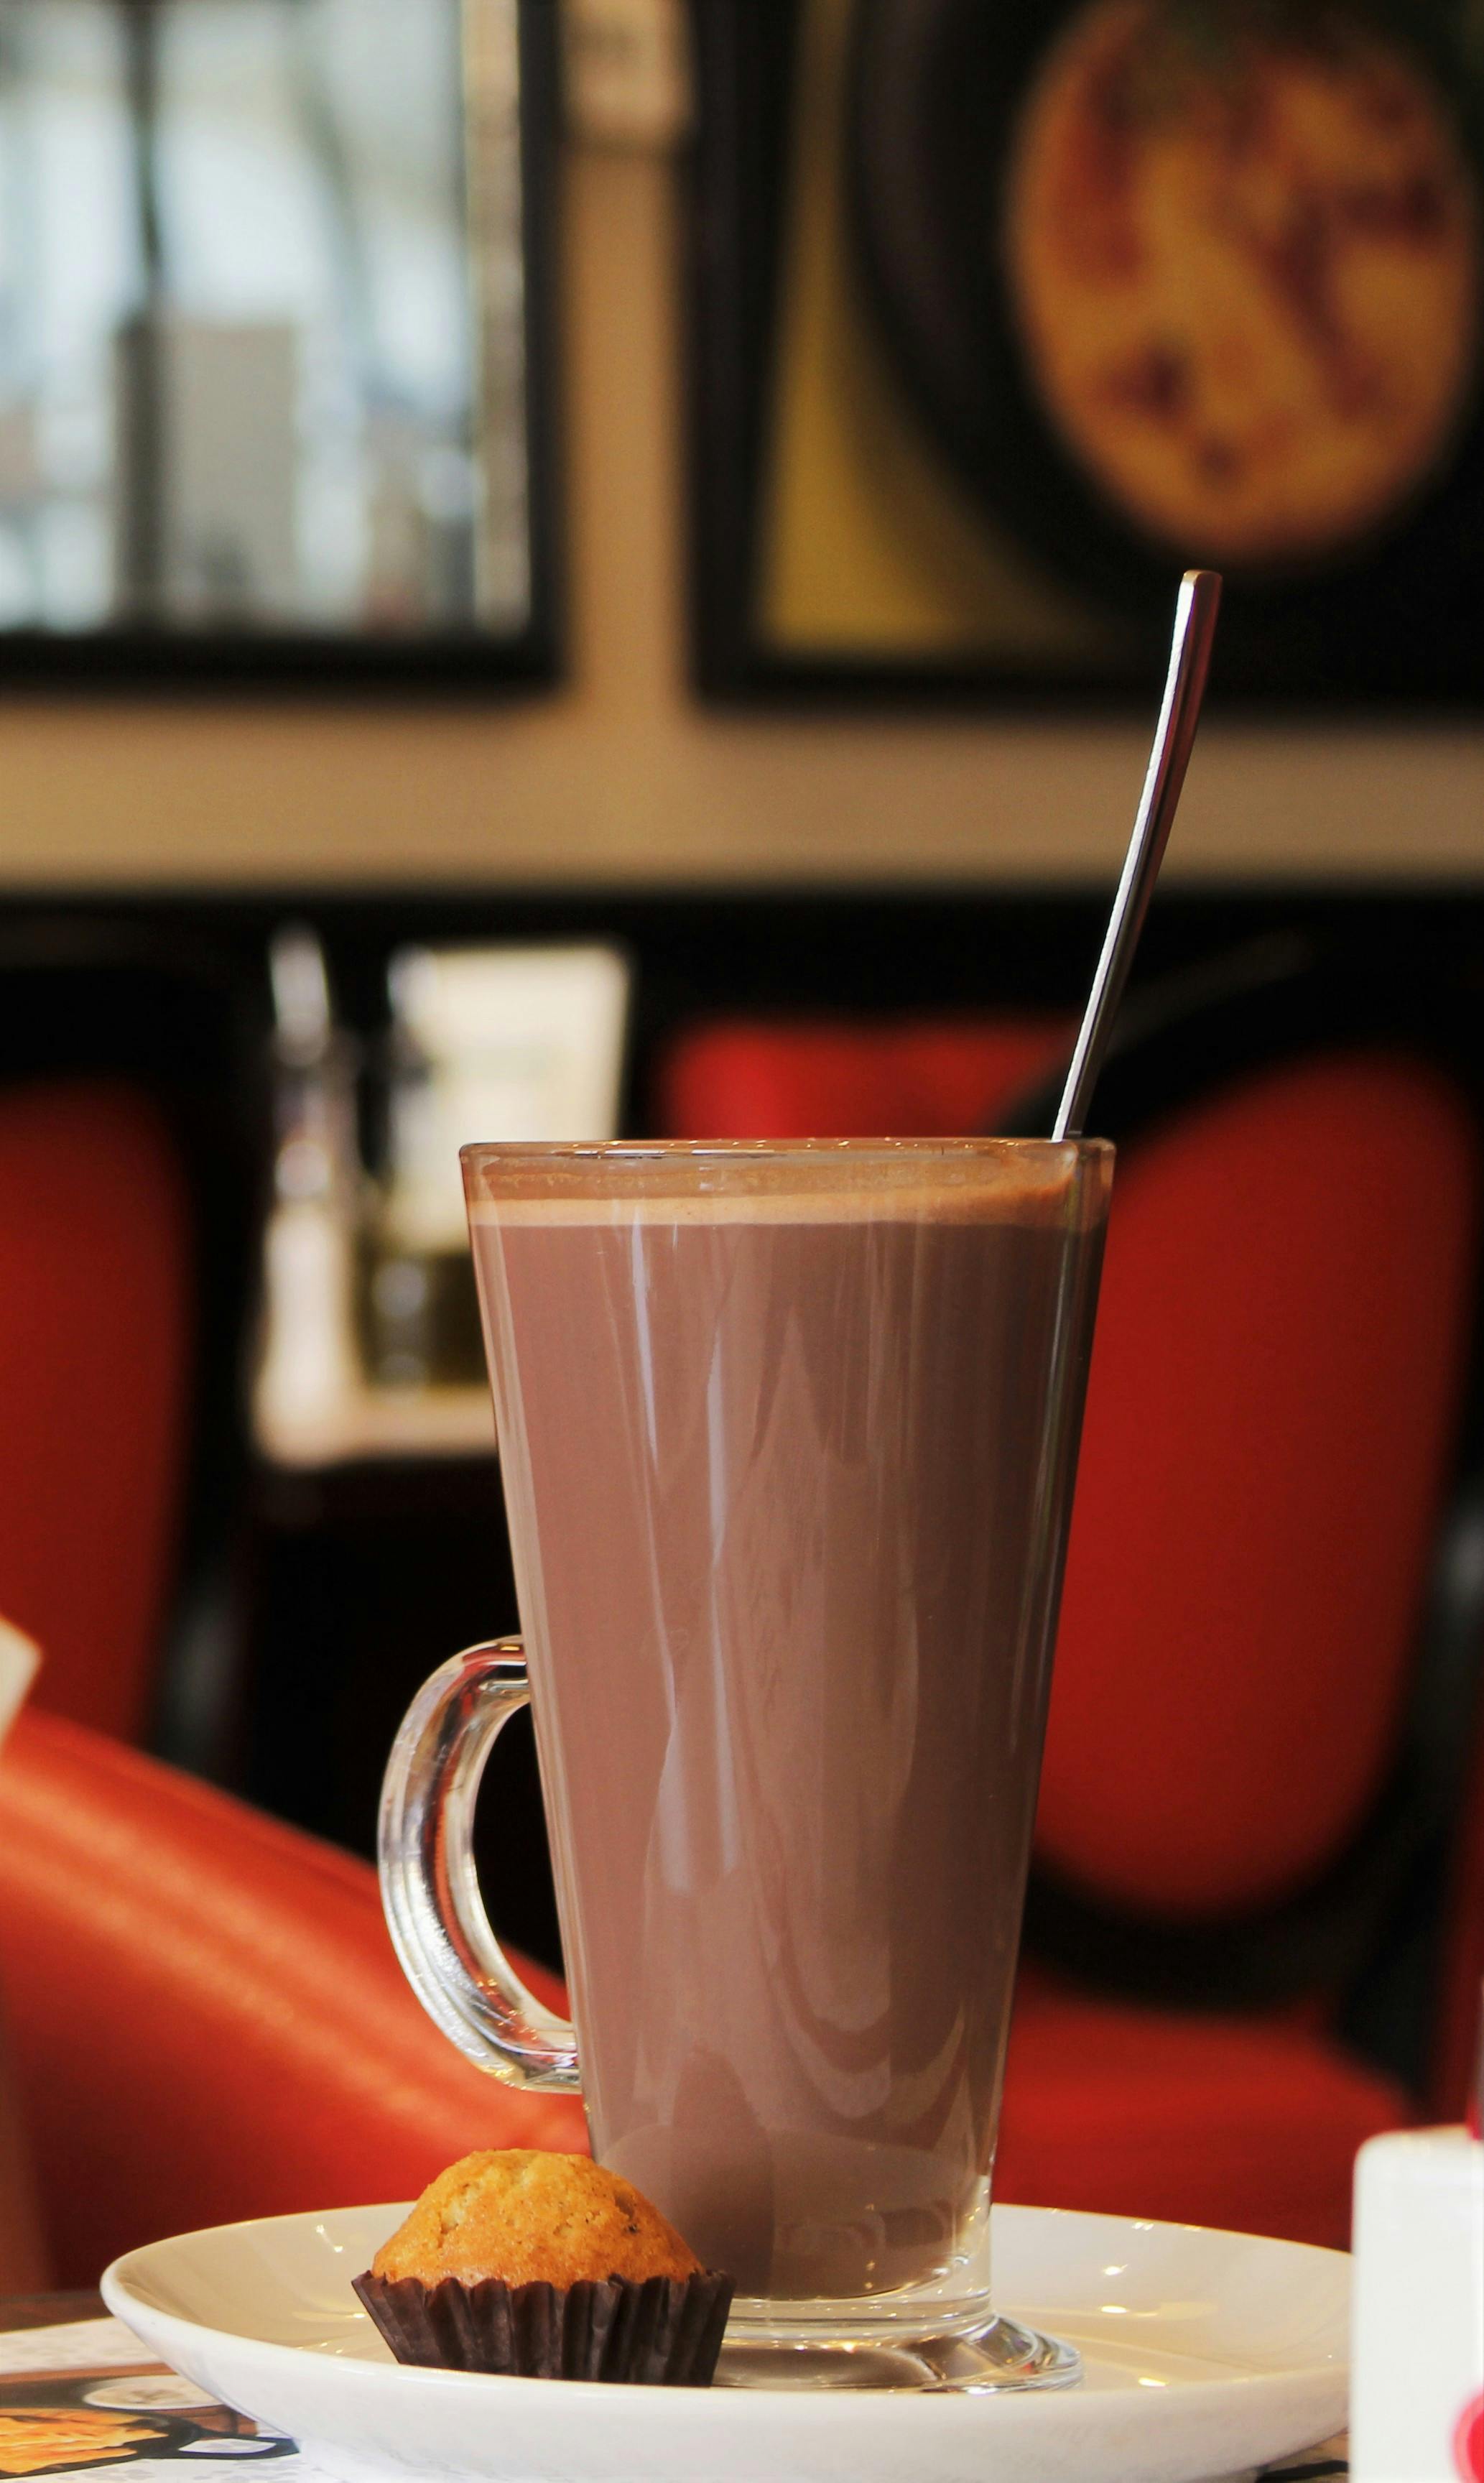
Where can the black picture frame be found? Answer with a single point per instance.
(465, 663)
(1292, 660)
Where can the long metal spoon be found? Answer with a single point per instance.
(1190, 657)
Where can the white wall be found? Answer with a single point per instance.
(621, 778)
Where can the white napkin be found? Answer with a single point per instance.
(18, 1661)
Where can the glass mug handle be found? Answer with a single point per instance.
(430, 1887)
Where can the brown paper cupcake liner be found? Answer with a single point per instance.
(665, 2332)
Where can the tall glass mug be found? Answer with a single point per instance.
(788, 1435)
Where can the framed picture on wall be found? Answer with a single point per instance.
(275, 305)
(1002, 316)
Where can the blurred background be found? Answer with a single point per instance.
(574, 567)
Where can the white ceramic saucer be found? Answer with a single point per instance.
(1204, 2354)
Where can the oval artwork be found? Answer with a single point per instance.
(1244, 251)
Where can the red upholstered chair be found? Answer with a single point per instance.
(1244, 1823)
(208, 2017)
(132, 1141)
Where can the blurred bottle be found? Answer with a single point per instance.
(522, 1043)
(421, 1314)
(310, 1363)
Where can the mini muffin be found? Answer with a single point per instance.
(549, 2266)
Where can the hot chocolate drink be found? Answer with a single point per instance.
(787, 1478)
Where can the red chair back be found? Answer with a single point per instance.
(95, 1323)
(1280, 1350)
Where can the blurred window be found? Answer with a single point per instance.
(261, 315)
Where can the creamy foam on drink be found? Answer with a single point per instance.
(782, 1472)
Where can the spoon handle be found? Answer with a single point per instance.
(1190, 655)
